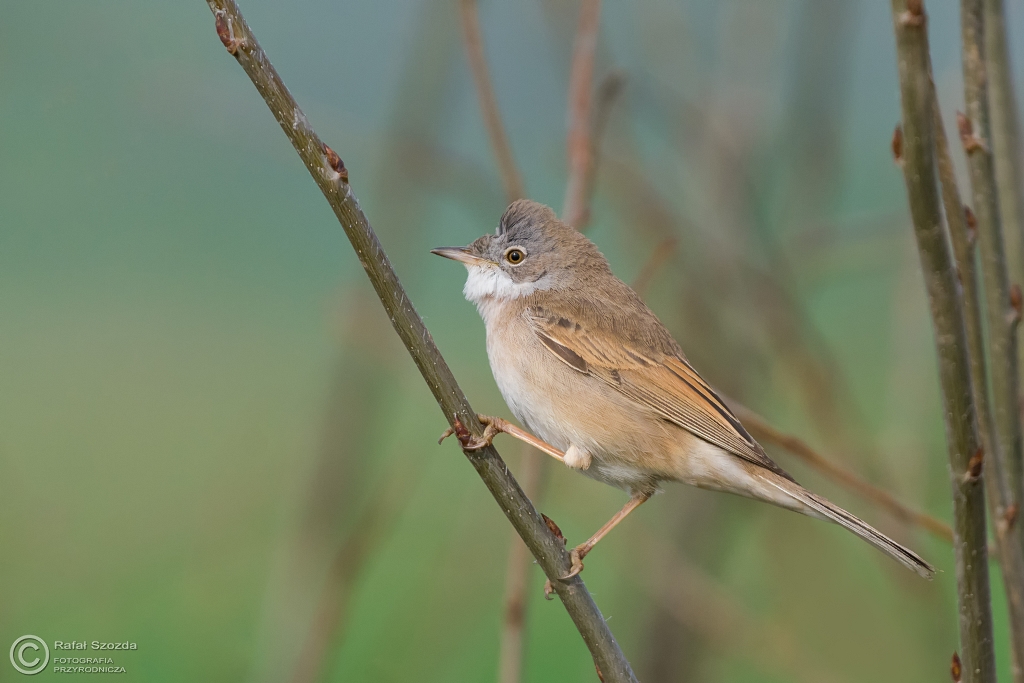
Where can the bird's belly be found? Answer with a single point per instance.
(565, 407)
(537, 406)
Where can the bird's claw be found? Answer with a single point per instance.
(493, 427)
(444, 435)
(576, 557)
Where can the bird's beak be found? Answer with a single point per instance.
(460, 254)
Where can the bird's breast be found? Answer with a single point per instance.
(563, 406)
(528, 380)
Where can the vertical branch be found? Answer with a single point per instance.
(575, 211)
(610, 87)
(963, 233)
(510, 177)
(980, 142)
(333, 600)
(1006, 143)
(915, 151)
(332, 178)
(1002, 313)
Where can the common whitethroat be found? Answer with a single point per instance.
(585, 365)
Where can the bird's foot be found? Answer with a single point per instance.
(492, 427)
(576, 556)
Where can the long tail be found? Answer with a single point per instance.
(834, 513)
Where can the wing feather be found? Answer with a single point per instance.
(662, 381)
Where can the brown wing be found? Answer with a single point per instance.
(664, 382)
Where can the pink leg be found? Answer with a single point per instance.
(495, 426)
(579, 552)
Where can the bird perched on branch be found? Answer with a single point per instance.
(586, 366)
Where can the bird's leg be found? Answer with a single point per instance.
(579, 552)
(495, 426)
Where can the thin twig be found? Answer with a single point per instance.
(607, 92)
(1002, 313)
(962, 232)
(916, 154)
(763, 431)
(349, 559)
(663, 251)
(342, 491)
(510, 176)
(331, 176)
(575, 210)
(1006, 142)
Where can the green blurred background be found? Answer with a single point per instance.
(213, 445)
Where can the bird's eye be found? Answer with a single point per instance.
(515, 256)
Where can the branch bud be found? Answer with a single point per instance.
(1013, 316)
(897, 145)
(968, 139)
(335, 162)
(974, 466)
(914, 16)
(972, 226)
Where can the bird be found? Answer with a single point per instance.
(601, 384)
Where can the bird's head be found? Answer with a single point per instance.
(530, 251)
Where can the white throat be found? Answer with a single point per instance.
(489, 287)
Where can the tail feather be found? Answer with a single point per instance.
(834, 513)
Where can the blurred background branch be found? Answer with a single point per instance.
(583, 150)
(761, 430)
(579, 143)
(472, 37)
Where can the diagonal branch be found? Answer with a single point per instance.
(510, 176)
(915, 151)
(330, 175)
(663, 251)
(532, 466)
